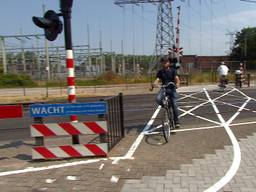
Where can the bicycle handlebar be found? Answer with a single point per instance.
(170, 83)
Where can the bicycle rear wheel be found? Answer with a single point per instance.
(166, 125)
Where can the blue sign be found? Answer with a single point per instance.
(48, 110)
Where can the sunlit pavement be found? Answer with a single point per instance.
(197, 156)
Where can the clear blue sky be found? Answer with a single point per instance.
(228, 15)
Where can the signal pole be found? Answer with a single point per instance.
(66, 9)
(47, 60)
(52, 27)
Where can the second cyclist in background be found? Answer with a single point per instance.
(223, 73)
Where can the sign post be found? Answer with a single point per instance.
(52, 27)
(66, 9)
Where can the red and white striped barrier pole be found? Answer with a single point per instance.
(66, 9)
(178, 37)
(71, 79)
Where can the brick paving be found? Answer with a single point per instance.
(150, 164)
(203, 173)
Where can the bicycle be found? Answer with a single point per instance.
(223, 83)
(167, 118)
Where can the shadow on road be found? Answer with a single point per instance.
(24, 157)
(138, 128)
(15, 144)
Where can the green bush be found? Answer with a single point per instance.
(204, 77)
(14, 80)
(108, 78)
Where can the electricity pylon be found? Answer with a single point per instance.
(165, 29)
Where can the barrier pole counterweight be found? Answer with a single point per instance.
(66, 9)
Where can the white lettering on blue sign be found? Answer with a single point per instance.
(47, 110)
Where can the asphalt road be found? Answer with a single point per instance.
(139, 108)
(192, 141)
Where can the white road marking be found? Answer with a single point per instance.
(186, 96)
(223, 102)
(245, 95)
(242, 93)
(35, 169)
(238, 112)
(212, 127)
(137, 142)
(114, 179)
(151, 131)
(200, 117)
(101, 166)
(71, 178)
(50, 181)
(204, 103)
(128, 155)
(237, 152)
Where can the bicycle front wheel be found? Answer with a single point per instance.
(166, 125)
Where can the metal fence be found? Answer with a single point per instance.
(115, 120)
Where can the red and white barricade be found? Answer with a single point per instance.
(66, 129)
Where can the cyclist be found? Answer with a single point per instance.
(168, 74)
(223, 72)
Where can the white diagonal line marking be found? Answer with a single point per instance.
(202, 104)
(223, 102)
(237, 152)
(200, 117)
(238, 112)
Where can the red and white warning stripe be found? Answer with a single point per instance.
(60, 129)
(179, 50)
(71, 80)
(68, 151)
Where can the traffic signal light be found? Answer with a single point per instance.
(51, 24)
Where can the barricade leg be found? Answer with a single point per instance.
(39, 141)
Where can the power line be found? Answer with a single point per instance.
(249, 1)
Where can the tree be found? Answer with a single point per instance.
(244, 47)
